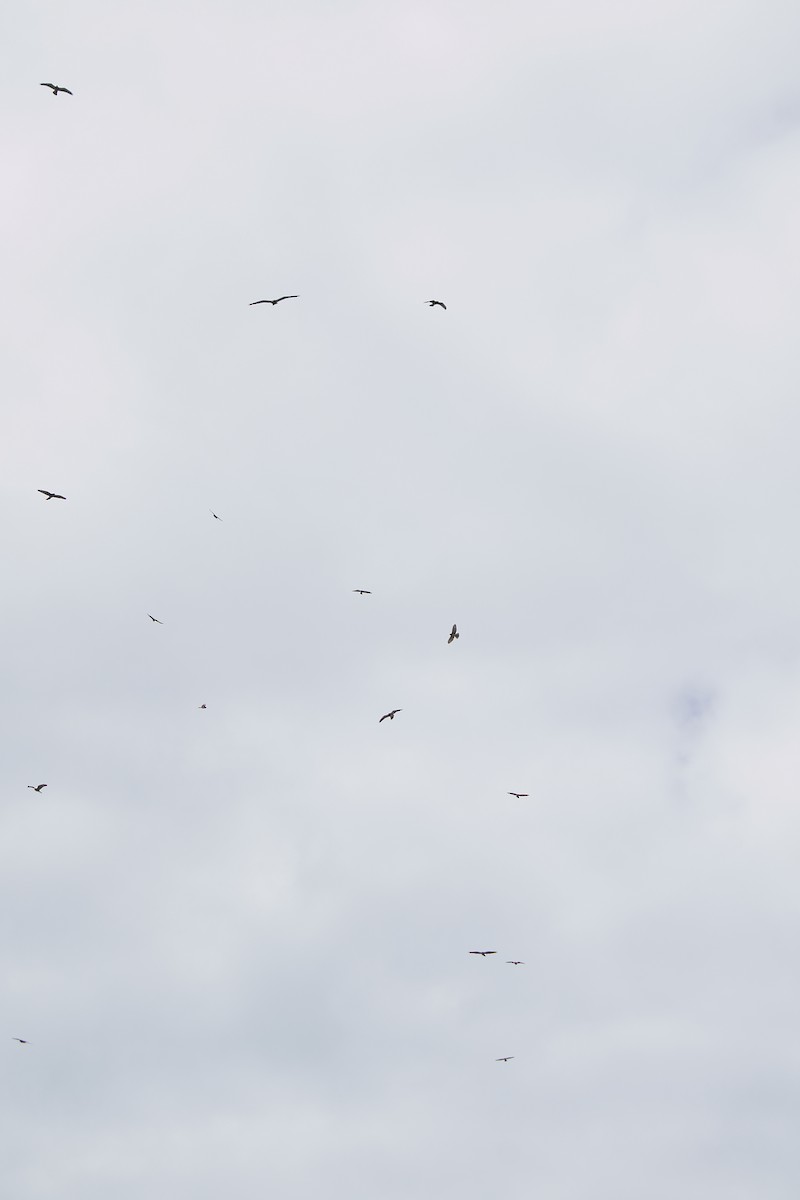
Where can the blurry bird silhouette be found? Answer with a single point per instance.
(362, 591)
(390, 715)
(38, 787)
(483, 952)
(214, 515)
(433, 303)
(56, 88)
(51, 495)
(273, 302)
(152, 618)
(453, 635)
(507, 1058)
(519, 795)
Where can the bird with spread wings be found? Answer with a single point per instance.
(390, 715)
(56, 88)
(273, 302)
(51, 495)
(453, 635)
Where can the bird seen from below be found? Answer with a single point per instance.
(273, 302)
(390, 715)
(362, 592)
(202, 706)
(56, 88)
(433, 303)
(214, 515)
(38, 787)
(152, 618)
(22, 1041)
(507, 1058)
(519, 795)
(453, 635)
(483, 953)
(515, 962)
(51, 495)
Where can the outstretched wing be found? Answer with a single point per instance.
(50, 85)
(285, 298)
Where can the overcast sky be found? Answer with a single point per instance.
(237, 939)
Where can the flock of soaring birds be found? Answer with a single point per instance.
(389, 716)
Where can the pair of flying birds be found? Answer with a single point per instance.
(277, 300)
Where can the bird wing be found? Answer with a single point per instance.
(44, 493)
(285, 298)
(56, 496)
(69, 93)
(50, 85)
(383, 718)
(252, 302)
(453, 631)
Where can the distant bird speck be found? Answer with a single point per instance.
(507, 1058)
(22, 1041)
(483, 953)
(453, 635)
(515, 962)
(38, 787)
(519, 795)
(273, 302)
(56, 88)
(201, 706)
(362, 591)
(51, 495)
(390, 715)
(214, 515)
(152, 618)
(433, 303)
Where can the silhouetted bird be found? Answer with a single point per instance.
(214, 515)
(152, 618)
(51, 495)
(433, 303)
(22, 1041)
(273, 302)
(515, 962)
(362, 591)
(56, 88)
(390, 715)
(483, 953)
(507, 1058)
(519, 795)
(453, 635)
(201, 706)
(38, 787)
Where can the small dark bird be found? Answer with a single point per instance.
(515, 962)
(38, 787)
(152, 618)
(22, 1041)
(201, 706)
(507, 1058)
(483, 952)
(51, 495)
(453, 635)
(519, 795)
(214, 515)
(56, 88)
(273, 302)
(390, 715)
(362, 591)
(433, 303)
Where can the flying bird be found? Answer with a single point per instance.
(483, 953)
(214, 515)
(362, 591)
(56, 88)
(390, 715)
(201, 706)
(51, 495)
(38, 787)
(453, 635)
(273, 302)
(22, 1041)
(507, 1058)
(433, 303)
(519, 795)
(515, 962)
(152, 618)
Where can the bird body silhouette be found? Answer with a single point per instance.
(22, 1041)
(507, 1058)
(51, 495)
(214, 515)
(519, 795)
(273, 302)
(56, 88)
(515, 962)
(453, 635)
(390, 715)
(433, 303)
(202, 706)
(362, 592)
(152, 618)
(38, 787)
(483, 953)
